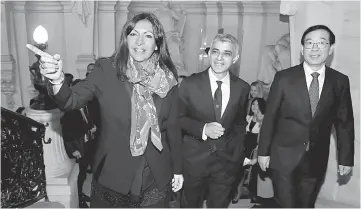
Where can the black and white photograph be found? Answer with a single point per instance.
(180, 104)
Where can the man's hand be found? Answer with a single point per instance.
(214, 130)
(263, 162)
(77, 154)
(344, 170)
(177, 182)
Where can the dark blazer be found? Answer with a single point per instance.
(288, 124)
(113, 157)
(196, 109)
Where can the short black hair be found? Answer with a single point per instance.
(319, 27)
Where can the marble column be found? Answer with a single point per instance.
(232, 23)
(121, 17)
(192, 35)
(106, 28)
(81, 47)
(19, 38)
(251, 28)
(7, 64)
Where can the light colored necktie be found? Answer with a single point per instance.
(314, 92)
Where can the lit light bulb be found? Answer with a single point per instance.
(40, 35)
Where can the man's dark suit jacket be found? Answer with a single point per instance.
(288, 123)
(117, 165)
(196, 109)
(74, 128)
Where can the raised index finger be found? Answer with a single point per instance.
(38, 51)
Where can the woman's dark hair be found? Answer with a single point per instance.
(261, 105)
(319, 27)
(121, 55)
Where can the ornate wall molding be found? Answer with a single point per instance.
(106, 6)
(83, 60)
(44, 7)
(122, 6)
(261, 7)
(17, 6)
(67, 6)
(195, 7)
(8, 79)
(231, 8)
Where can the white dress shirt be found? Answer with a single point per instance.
(225, 87)
(321, 77)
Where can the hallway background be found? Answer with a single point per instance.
(81, 31)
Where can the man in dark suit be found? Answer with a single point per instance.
(212, 117)
(304, 103)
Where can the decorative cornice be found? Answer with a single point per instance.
(143, 6)
(213, 7)
(122, 6)
(231, 7)
(44, 7)
(67, 6)
(106, 6)
(17, 6)
(271, 7)
(261, 7)
(195, 7)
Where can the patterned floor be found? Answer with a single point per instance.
(243, 203)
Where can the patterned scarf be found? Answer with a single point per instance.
(147, 78)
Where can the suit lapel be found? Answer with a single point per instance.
(207, 98)
(327, 86)
(301, 85)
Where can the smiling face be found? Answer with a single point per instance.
(222, 55)
(254, 91)
(255, 107)
(141, 41)
(316, 57)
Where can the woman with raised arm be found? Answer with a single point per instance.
(138, 158)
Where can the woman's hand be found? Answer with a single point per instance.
(51, 67)
(177, 182)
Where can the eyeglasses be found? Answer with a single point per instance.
(320, 44)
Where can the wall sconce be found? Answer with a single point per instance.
(40, 36)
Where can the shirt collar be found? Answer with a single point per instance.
(309, 71)
(214, 79)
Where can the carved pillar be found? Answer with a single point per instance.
(80, 50)
(192, 35)
(232, 22)
(121, 17)
(7, 64)
(106, 28)
(252, 30)
(20, 39)
(7, 81)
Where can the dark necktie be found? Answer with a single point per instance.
(314, 92)
(218, 100)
